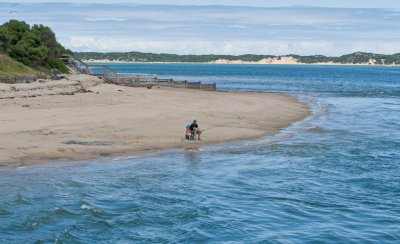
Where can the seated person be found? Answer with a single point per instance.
(194, 128)
(188, 132)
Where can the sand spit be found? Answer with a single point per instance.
(81, 118)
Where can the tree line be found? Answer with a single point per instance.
(354, 58)
(35, 46)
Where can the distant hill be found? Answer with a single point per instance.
(10, 67)
(354, 58)
(153, 57)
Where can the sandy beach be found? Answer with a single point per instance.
(81, 118)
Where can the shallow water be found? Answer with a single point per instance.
(334, 177)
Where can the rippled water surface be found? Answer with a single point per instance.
(334, 177)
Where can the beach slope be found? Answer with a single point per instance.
(82, 118)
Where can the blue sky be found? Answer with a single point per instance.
(219, 27)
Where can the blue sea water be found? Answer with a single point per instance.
(333, 177)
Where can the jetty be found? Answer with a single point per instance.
(110, 76)
(135, 80)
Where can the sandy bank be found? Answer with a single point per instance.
(58, 121)
(275, 60)
(283, 60)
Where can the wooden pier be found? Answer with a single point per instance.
(148, 81)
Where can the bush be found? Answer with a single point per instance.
(58, 64)
(34, 46)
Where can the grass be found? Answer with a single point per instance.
(10, 67)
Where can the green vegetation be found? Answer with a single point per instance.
(35, 46)
(10, 67)
(360, 57)
(13, 88)
(354, 58)
(163, 57)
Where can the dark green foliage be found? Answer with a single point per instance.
(163, 57)
(314, 59)
(355, 58)
(34, 46)
(58, 64)
(11, 32)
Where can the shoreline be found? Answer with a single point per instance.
(82, 118)
(239, 63)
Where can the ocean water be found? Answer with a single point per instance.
(333, 177)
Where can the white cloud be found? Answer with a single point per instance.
(216, 29)
(254, 3)
(282, 47)
(105, 19)
(237, 26)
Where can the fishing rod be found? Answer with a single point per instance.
(220, 125)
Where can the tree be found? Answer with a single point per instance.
(35, 47)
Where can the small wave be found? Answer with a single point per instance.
(121, 158)
(395, 104)
(318, 109)
(315, 129)
(4, 212)
(31, 224)
(91, 208)
(60, 211)
(20, 199)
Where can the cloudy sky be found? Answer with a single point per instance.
(219, 27)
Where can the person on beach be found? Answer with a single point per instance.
(194, 128)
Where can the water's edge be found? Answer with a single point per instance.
(313, 112)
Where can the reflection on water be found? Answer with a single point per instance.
(192, 155)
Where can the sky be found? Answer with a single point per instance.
(277, 27)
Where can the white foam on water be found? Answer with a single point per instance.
(91, 208)
(318, 109)
(122, 158)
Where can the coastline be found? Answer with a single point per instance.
(239, 63)
(83, 118)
